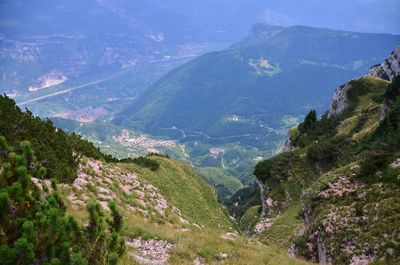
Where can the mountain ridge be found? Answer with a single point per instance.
(185, 87)
(328, 198)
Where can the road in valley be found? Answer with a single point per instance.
(67, 90)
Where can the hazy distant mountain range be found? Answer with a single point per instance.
(255, 86)
(44, 44)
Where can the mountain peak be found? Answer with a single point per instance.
(389, 68)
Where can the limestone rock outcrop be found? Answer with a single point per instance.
(339, 101)
(389, 68)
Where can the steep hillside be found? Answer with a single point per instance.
(247, 91)
(170, 215)
(334, 196)
(56, 150)
(148, 210)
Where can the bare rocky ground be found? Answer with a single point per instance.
(105, 182)
(262, 225)
(149, 252)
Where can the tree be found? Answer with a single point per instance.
(58, 151)
(33, 223)
(309, 122)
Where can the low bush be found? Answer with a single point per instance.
(324, 154)
(33, 223)
(55, 149)
(143, 162)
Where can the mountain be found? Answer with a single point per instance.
(329, 199)
(86, 61)
(333, 196)
(251, 89)
(150, 210)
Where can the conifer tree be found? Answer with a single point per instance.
(34, 225)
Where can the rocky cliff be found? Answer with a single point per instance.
(288, 146)
(339, 101)
(389, 68)
(263, 195)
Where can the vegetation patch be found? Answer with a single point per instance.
(34, 224)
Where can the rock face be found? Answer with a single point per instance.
(384, 109)
(389, 68)
(395, 164)
(288, 144)
(339, 100)
(263, 192)
(322, 255)
(151, 252)
(261, 226)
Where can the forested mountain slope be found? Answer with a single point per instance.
(251, 89)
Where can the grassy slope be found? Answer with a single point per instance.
(285, 227)
(186, 191)
(216, 176)
(378, 209)
(196, 200)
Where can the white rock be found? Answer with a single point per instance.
(389, 68)
(339, 101)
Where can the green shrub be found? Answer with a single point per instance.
(312, 130)
(274, 168)
(143, 162)
(324, 154)
(384, 142)
(56, 150)
(35, 228)
(393, 90)
(309, 123)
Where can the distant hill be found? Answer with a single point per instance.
(254, 87)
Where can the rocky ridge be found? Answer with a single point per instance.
(389, 68)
